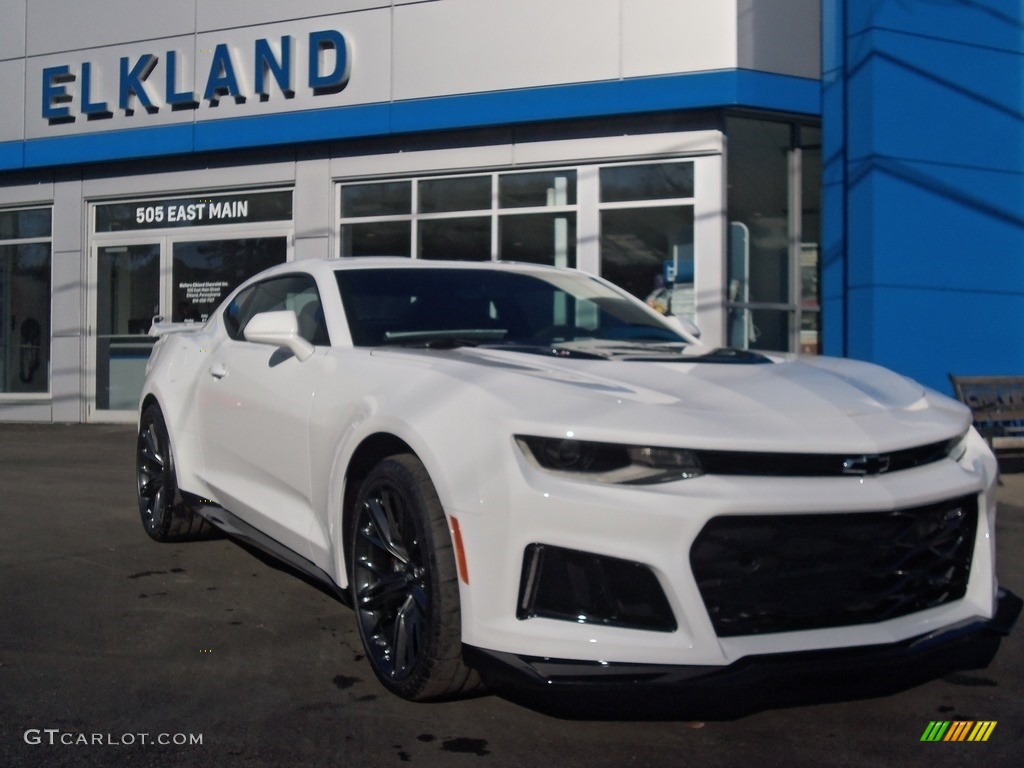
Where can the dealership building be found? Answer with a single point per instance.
(815, 176)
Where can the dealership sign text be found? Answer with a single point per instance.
(151, 82)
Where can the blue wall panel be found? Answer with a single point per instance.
(923, 110)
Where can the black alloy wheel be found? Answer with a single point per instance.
(165, 514)
(404, 584)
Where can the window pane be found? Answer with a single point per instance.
(25, 317)
(810, 236)
(127, 298)
(206, 271)
(649, 252)
(23, 224)
(381, 238)
(758, 199)
(471, 193)
(460, 239)
(810, 333)
(128, 289)
(541, 238)
(659, 181)
(532, 190)
(385, 199)
(759, 328)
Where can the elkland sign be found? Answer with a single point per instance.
(153, 82)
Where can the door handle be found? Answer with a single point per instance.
(218, 371)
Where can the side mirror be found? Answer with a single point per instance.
(279, 329)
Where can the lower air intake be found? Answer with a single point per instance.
(781, 573)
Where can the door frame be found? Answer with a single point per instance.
(165, 238)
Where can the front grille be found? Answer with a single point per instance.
(820, 464)
(781, 573)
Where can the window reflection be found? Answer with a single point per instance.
(462, 239)
(535, 190)
(25, 313)
(649, 252)
(538, 238)
(652, 181)
(774, 211)
(471, 193)
(206, 271)
(380, 238)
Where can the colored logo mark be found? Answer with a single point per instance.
(958, 730)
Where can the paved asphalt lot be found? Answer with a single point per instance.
(106, 635)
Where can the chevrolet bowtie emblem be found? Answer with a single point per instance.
(865, 465)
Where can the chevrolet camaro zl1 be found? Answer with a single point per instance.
(519, 468)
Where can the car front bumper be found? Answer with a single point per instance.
(613, 546)
(969, 645)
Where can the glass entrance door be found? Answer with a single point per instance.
(179, 279)
(127, 299)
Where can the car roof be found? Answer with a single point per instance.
(323, 266)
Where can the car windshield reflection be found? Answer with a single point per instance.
(443, 308)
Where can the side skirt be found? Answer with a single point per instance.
(240, 530)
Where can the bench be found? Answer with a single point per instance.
(997, 406)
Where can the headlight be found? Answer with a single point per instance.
(609, 462)
(957, 447)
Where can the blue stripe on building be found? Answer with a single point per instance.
(724, 88)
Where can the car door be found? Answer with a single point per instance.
(254, 407)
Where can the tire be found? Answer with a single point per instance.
(165, 514)
(405, 588)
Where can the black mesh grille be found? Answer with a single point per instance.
(781, 573)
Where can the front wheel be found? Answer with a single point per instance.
(165, 514)
(404, 584)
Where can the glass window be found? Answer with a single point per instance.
(654, 181)
(810, 239)
(649, 252)
(26, 224)
(774, 211)
(462, 239)
(646, 219)
(127, 299)
(538, 238)
(383, 199)
(24, 302)
(647, 233)
(420, 218)
(537, 189)
(378, 238)
(468, 193)
(205, 271)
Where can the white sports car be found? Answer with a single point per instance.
(524, 470)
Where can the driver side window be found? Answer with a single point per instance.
(295, 292)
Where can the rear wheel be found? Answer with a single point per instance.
(165, 514)
(404, 584)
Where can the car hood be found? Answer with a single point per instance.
(729, 398)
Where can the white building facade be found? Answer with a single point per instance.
(153, 157)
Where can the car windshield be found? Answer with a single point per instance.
(443, 306)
